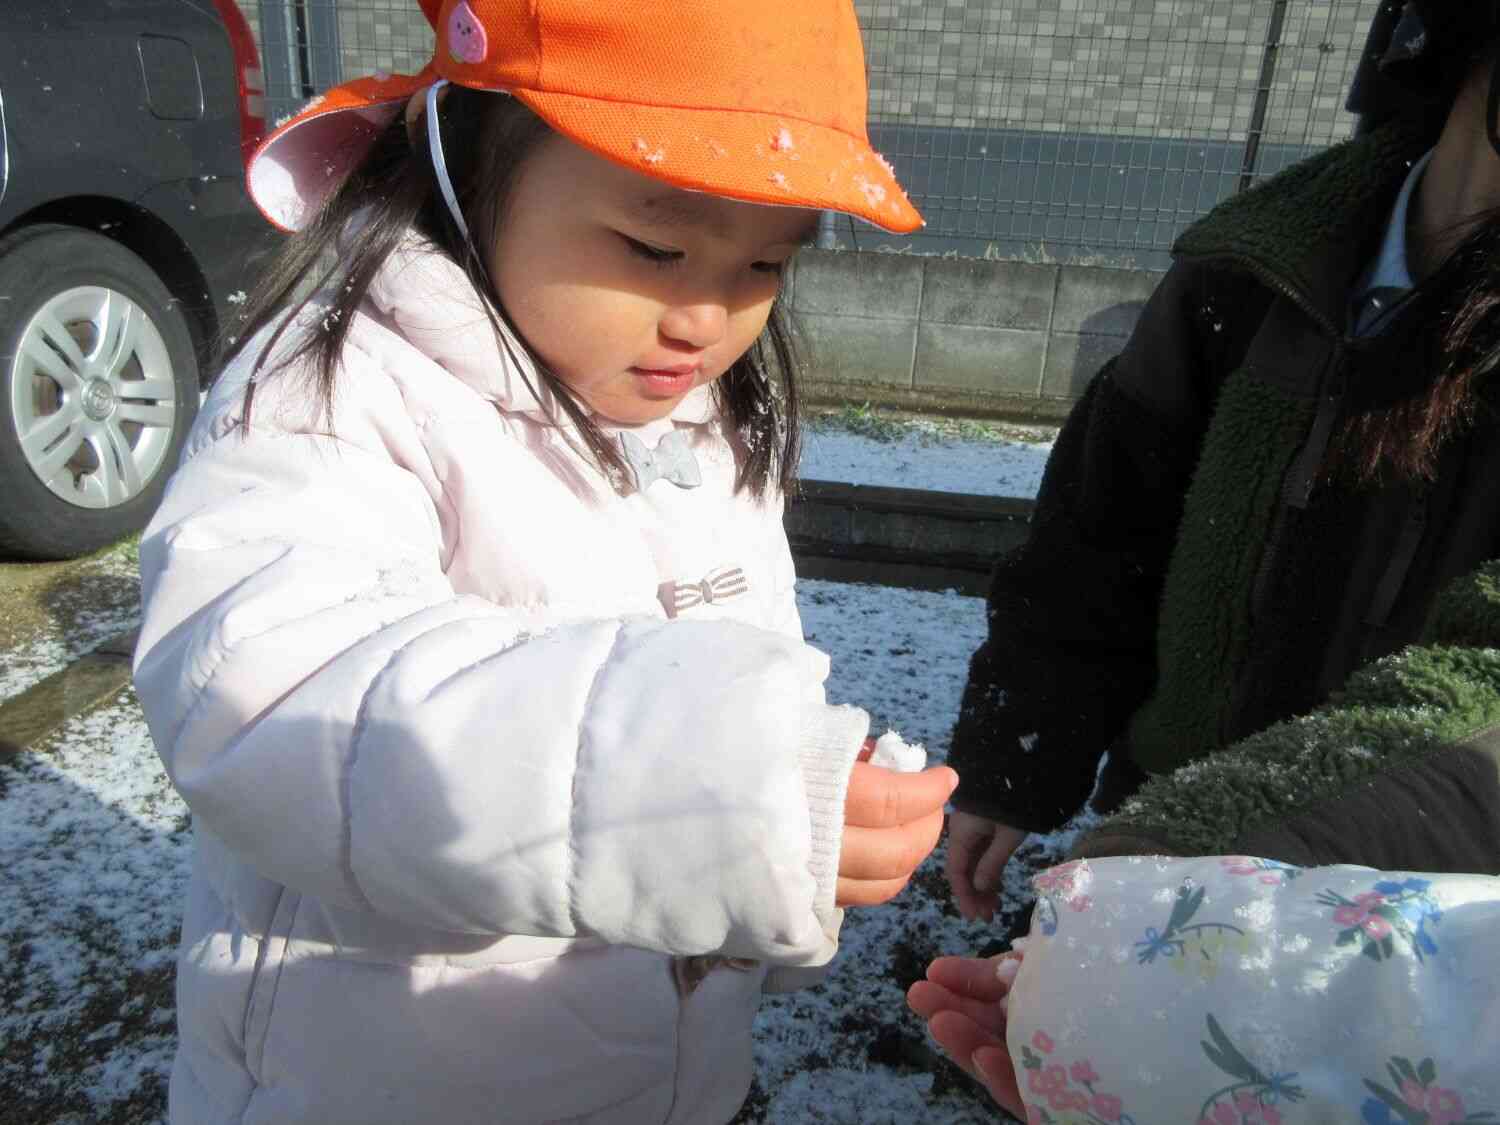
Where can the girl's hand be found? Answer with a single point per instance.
(978, 850)
(963, 1001)
(892, 822)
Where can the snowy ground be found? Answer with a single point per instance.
(865, 448)
(90, 603)
(95, 847)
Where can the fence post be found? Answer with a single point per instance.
(299, 51)
(324, 61)
(1263, 93)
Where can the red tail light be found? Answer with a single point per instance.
(248, 77)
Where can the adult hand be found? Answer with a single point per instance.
(978, 850)
(892, 822)
(963, 1002)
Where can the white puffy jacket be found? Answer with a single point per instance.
(463, 793)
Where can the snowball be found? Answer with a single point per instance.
(894, 753)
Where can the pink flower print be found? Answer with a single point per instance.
(1048, 1080)
(1270, 1115)
(1083, 1072)
(1238, 865)
(1271, 880)
(1033, 1115)
(1107, 1107)
(1080, 903)
(1414, 1094)
(466, 38)
(1369, 899)
(1057, 1100)
(1224, 1114)
(1076, 1100)
(1376, 926)
(1043, 1042)
(1350, 916)
(1444, 1107)
(1059, 877)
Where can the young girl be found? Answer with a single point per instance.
(470, 635)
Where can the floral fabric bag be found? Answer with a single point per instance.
(1221, 991)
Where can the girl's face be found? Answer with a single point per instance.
(631, 291)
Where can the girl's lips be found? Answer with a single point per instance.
(666, 381)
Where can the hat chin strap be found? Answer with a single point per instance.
(440, 166)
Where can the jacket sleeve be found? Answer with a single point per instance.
(1235, 989)
(1070, 651)
(1401, 769)
(352, 728)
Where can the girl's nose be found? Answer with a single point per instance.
(700, 325)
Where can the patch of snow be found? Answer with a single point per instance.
(106, 601)
(895, 753)
(926, 459)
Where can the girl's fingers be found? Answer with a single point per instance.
(991, 865)
(888, 853)
(968, 838)
(960, 1037)
(868, 892)
(928, 999)
(882, 798)
(998, 1073)
(974, 978)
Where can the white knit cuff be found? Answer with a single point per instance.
(831, 741)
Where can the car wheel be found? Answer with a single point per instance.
(98, 388)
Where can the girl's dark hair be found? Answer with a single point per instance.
(393, 191)
(1432, 385)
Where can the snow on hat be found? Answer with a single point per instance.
(758, 100)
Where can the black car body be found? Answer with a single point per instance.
(124, 129)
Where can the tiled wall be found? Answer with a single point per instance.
(1168, 68)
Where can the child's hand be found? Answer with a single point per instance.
(891, 823)
(978, 850)
(963, 1001)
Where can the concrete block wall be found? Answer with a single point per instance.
(986, 338)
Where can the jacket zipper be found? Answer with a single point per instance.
(1297, 485)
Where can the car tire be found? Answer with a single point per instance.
(98, 389)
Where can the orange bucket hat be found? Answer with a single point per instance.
(759, 100)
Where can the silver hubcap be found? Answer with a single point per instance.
(93, 397)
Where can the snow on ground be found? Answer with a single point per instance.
(95, 848)
(926, 455)
(94, 845)
(90, 604)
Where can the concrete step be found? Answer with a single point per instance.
(902, 536)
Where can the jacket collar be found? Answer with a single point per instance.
(1312, 230)
(423, 295)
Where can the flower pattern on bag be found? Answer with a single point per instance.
(1062, 1094)
(1415, 1098)
(1389, 910)
(1065, 884)
(1254, 1098)
(1268, 871)
(1186, 944)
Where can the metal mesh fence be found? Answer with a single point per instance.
(1067, 130)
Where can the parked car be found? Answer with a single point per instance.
(127, 243)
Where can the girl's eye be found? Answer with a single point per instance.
(653, 254)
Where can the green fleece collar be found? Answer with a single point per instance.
(1310, 230)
